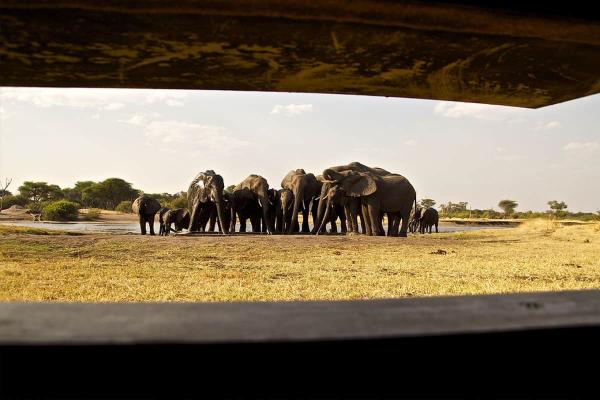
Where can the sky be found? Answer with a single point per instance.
(160, 139)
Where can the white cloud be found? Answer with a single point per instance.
(113, 106)
(500, 149)
(174, 103)
(473, 110)
(548, 125)
(3, 114)
(96, 116)
(410, 142)
(168, 132)
(581, 146)
(101, 99)
(141, 119)
(292, 109)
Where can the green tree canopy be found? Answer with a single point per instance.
(557, 206)
(508, 206)
(229, 189)
(108, 193)
(426, 203)
(36, 192)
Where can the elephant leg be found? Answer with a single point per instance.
(342, 215)
(279, 220)
(371, 210)
(367, 220)
(212, 221)
(405, 215)
(151, 223)
(143, 224)
(242, 222)
(350, 223)
(305, 228)
(375, 216)
(436, 227)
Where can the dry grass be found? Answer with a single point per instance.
(536, 256)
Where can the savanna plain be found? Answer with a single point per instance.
(540, 255)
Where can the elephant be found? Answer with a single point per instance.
(260, 189)
(205, 192)
(337, 211)
(429, 218)
(413, 225)
(378, 194)
(304, 188)
(178, 216)
(161, 220)
(352, 206)
(284, 205)
(244, 204)
(146, 208)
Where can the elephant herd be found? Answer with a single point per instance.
(350, 193)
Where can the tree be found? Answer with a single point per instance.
(229, 189)
(508, 206)
(557, 208)
(108, 193)
(75, 194)
(4, 190)
(426, 203)
(36, 192)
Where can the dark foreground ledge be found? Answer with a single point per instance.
(202, 323)
(509, 345)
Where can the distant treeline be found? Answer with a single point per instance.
(117, 194)
(556, 209)
(109, 194)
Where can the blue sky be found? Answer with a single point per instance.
(159, 140)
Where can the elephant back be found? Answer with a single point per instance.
(145, 205)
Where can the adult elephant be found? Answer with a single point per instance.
(244, 205)
(205, 190)
(146, 208)
(284, 205)
(338, 210)
(304, 188)
(260, 190)
(180, 217)
(429, 219)
(379, 194)
(352, 206)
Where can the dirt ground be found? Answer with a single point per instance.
(40, 265)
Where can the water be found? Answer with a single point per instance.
(134, 227)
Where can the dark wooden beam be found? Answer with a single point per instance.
(500, 54)
(98, 324)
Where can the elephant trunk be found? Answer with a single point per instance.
(264, 202)
(285, 216)
(194, 218)
(219, 201)
(232, 219)
(326, 217)
(297, 199)
(320, 208)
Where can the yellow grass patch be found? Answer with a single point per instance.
(537, 256)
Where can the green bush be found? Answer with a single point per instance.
(124, 207)
(61, 210)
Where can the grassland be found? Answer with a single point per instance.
(537, 256)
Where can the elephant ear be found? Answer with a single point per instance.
(331, 175)
(359, 184)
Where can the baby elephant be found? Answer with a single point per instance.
(161, 220)
(178, 216)
(429, 218)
